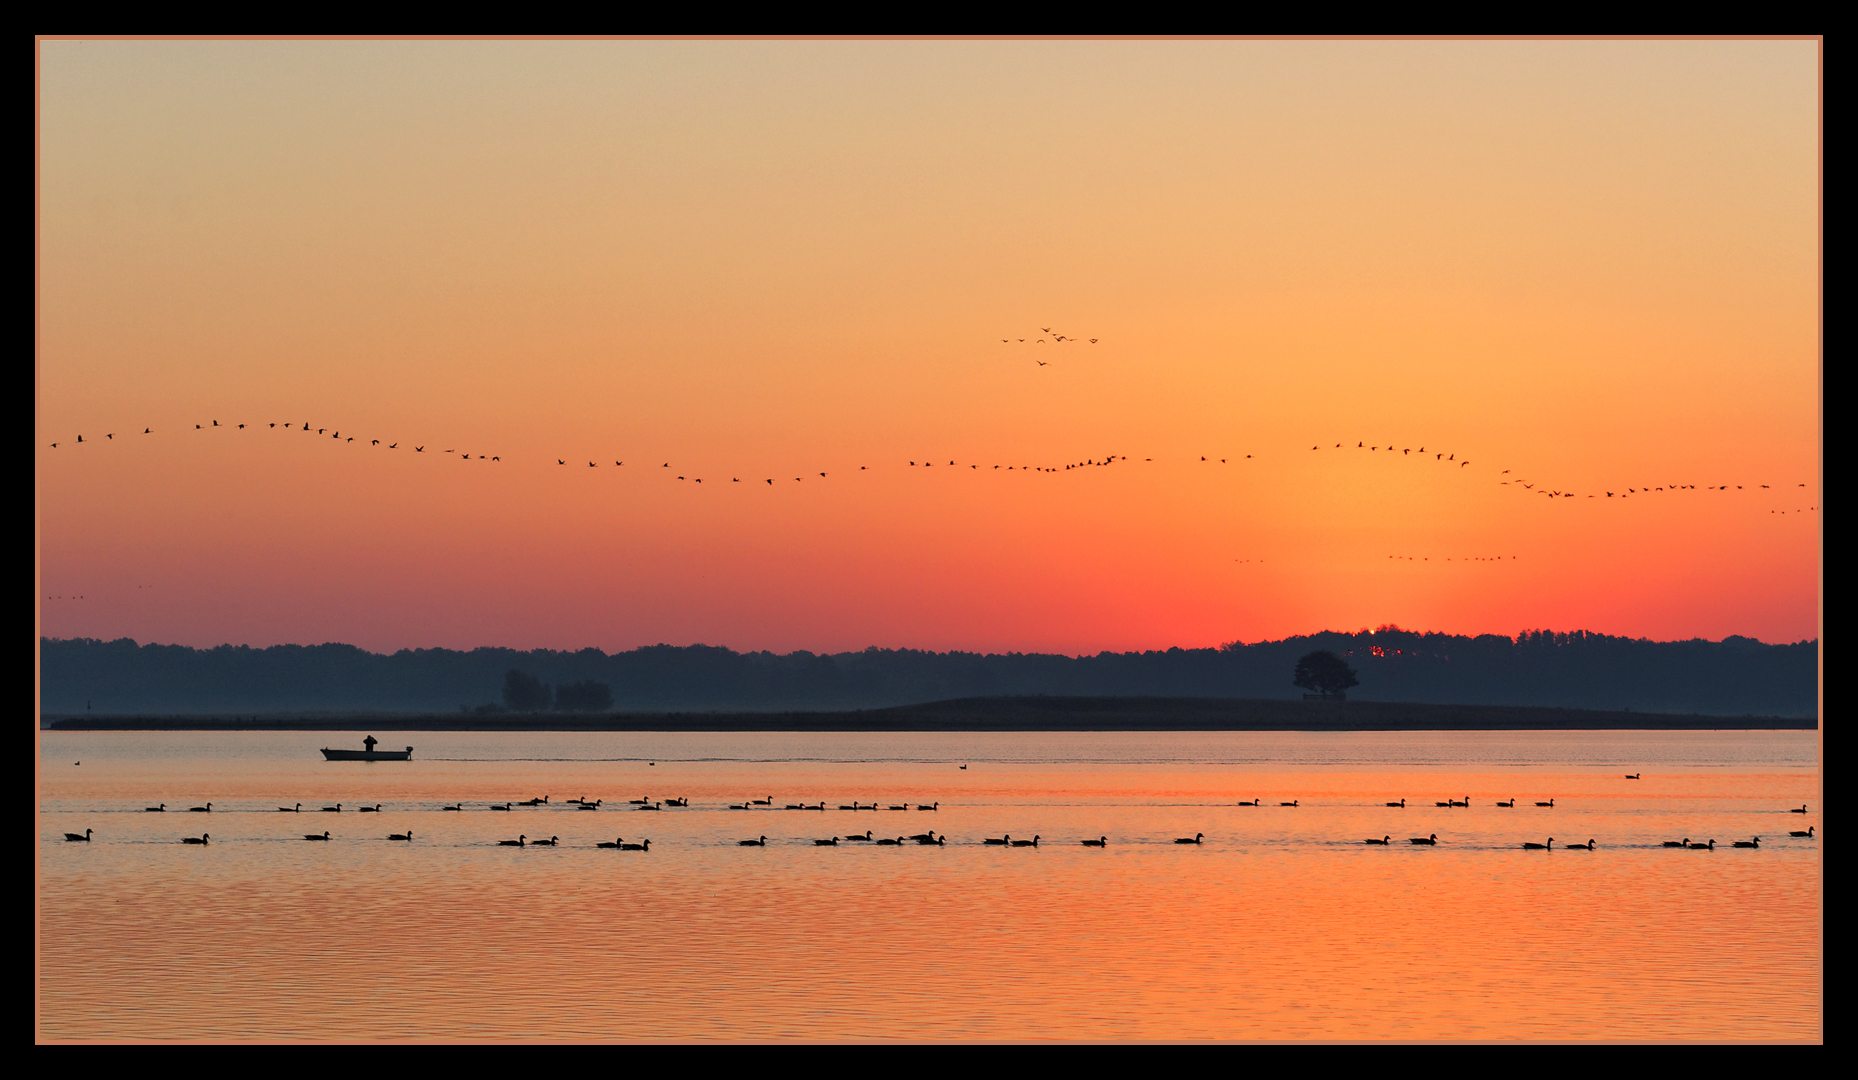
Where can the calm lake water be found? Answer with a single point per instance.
(1281, 924)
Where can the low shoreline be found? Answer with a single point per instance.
(994, 714)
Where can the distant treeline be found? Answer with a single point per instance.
(1734, 677)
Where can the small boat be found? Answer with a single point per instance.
(369, 754)
(1429, 841)
(82, 839)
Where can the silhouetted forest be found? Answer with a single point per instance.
(1734, 677)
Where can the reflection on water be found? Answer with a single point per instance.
(1281, 925)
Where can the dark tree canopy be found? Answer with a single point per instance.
(1324, 672)
(523, 692)
(585, 696)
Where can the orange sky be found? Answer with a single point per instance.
(1594, 264)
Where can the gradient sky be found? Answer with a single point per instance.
(1592, 263)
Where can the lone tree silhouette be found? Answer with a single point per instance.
(523, 692)
(1325, 673)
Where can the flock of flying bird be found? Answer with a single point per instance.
(927, 838)
(1411, 453)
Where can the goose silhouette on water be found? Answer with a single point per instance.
(1401, 804)
(738, 806)
(646, 846)
(1755, 843)
(1684, 843)
(1382, 841)
(933, 805)
(1254, 802)
(162, 809)
(207, 809)
(1002, 842)
(459, 807)
(1541, 847)
(408, 835)
(201, 839)
(905, 806)
(1445, 803)
(1197, 838)
(834, 842)
(617, 841)
(1808, 833)
(1429, 841)
(866, 836)
(1550, 802)
(1632, 776)
(1101, 841)
(550, 842)
(313, 836)
(595, 805)
(1512, 802)
(297, 809)
(769, 801)
(518, 842)
(1034, 842)
(762, 842)
(887, 842)
(1711, 846)
(1465, 802)
(1588, 846)
(83, 837)
(494, 806)
(375, 809)
(1293, 803)
(931, 840)
(1802, 809)
(336, 809)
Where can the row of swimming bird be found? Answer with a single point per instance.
(1405, 452)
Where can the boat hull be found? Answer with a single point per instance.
(368, 755)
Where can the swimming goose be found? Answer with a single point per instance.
(763, 842)
(834, 842)
(1034, 842)
(1254, 802)
(1802, 809)
(494, 806)
(1429, 841)
(336, 809)
(1445, 803)
(297, 809)
(905, 806)
(1002, 842)
(1466, 802)
(866, 836)
(769, 801)
(1382, 841)
(550, 842)
(922, 837)
(685, 801)
(1588, 846)
(540, 801)
(931, 839)
(201, 839)
(1550, 802)
(313, 836)
(1287, 804)
(1512, 802)
(1101, 841)
(1401, 804)
(617, 840)
(375, 809)
(1541, 847)
(1197, 838)
(207, 809)
(646, 846)
(1632, 776)
(634, 802)
(1684, 843)
(459, 807)
(518, 842)
(931, 806)
(1755, 843)
(408, 835)
(1808, 833)
(887, 842)
(738, 806)
(162, 809)
(85, 838)
(1711, 846)
(595, 805)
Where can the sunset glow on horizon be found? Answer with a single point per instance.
(1585, 272)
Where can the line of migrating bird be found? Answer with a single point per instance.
(1411, 453)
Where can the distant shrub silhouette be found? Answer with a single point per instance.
(523, 692)
(584, 696)
(1325, 673)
